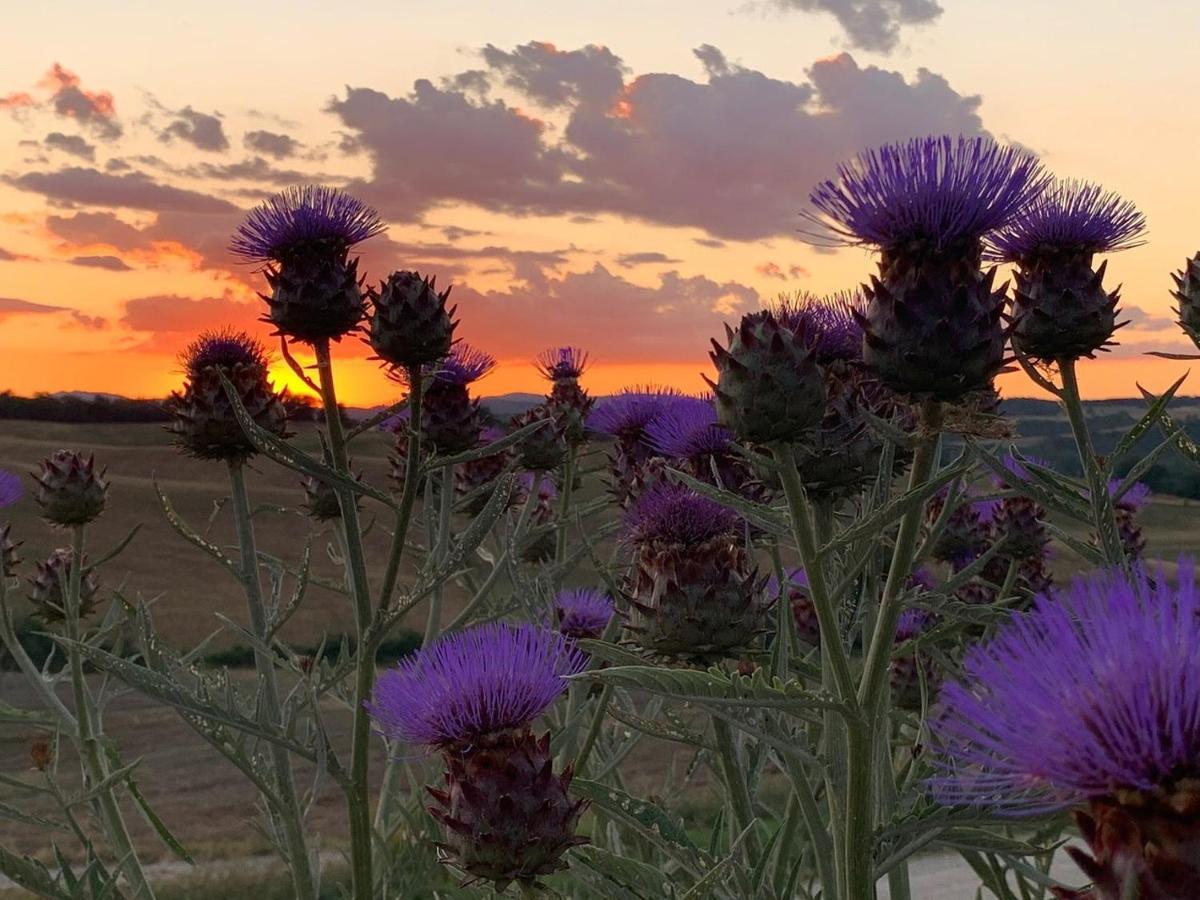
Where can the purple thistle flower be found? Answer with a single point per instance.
(687, 428)
(582, 612)
(1072, 217)
(670, 513)
(11, 488)
(934, 190)
(830, 323)
(562, 363)
(304, 216)
(464, 365)
(474, 683)
(1134, 499)
(626, 415)
(547, 490)
(1094, 691)
(913, 622)
(223, 348)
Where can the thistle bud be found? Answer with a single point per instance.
(768, 386)
(304, 235)
(409, 325)
(693, 593)
(70, 490)
(582, 612)
(567, 401)
(451, 420)
(47, 587)
(321, 500)
(203, 422)
(545, 448)
(967, 532)
(1187, 296)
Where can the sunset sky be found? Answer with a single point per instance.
(619, 176)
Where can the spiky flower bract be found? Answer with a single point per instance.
(11, 489)
(1061, 310)
(1092, 698)
(830, 324)
(297, 218)
(1187, 297)
(304, 235)
(408, 323)
(71, 491)
(933, 325)
(47, 588)
(768, 386)
(476, 683)
(9, 560)
(562, 363)
(203, 422)
(543, 449)
(582, 612)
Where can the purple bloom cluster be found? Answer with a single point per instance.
(686, 428)
(474, 683)
(1133, 500)
(626, 415)
(670, 513)
(1071, 217)
(562, 363)
(582, 612)
(464, 365)
(11, 488)
(1094, 690)
(832, 324)
(304, 216)
(223, 348)
(913, 622)
(935, 191)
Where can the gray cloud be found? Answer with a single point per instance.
(650, 257)
(1140, 319)
(869, 24)
(134, 190)
(16, 306)
(111, 263)
(70, 143)
(202, 130)
(271, 143)
(97, 228)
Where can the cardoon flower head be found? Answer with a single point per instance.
(768, 386)
(686, 428)
(463, 366)
(11, 489)
(1134, 499)
(451, 420)
(1060, 309)
(304, 234)
(675, 515)
(70, 490)
(582, 612)
(933, 325)
(543, 449)
(830, 324)
(202, 419)
(1092, 698)
(562, 363)
(625, 415)
(473, 684)
(408, 324)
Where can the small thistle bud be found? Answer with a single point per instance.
(544, 449)
(567, 401)
(70, 490)
(41, 755)
(451, 420)
(304, 235)
(933, 324)
(768, 386)
(1187, 297)
(474, 695)
(582, 612)
(1089, 702)
(968, 531)
(47, 587)
(409, 325)
(692, 592)
(1060, 308)
(9, 560)
(202, 419)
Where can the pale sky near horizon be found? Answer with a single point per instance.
(620, 176)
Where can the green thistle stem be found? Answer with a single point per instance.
(88, 735)
(1103, 513)
(288, 815)
(593, 732)
(732, 771)
(408, 494)
(564, 506)
(358, 790)
(445, 514)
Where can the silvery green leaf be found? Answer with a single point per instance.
(376, 419)
(623, 878)
(192, 536)
(1148, 420)
(763, 516)
(672, 730)
(31, 875)
(514, 437)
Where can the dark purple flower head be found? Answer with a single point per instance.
(299, 217)
(1071, 217)
(223, 348)
(562, 363)
(932, 192)
(11, 488)
(1133, 499)
(1095, 690)
(474, 683)
(547, 490)
(829, 323)
(582, 612)
(670, 513)
(626, 415)
(464, 365)
(912, 623)
(686, 428)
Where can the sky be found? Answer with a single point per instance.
(622, 177)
